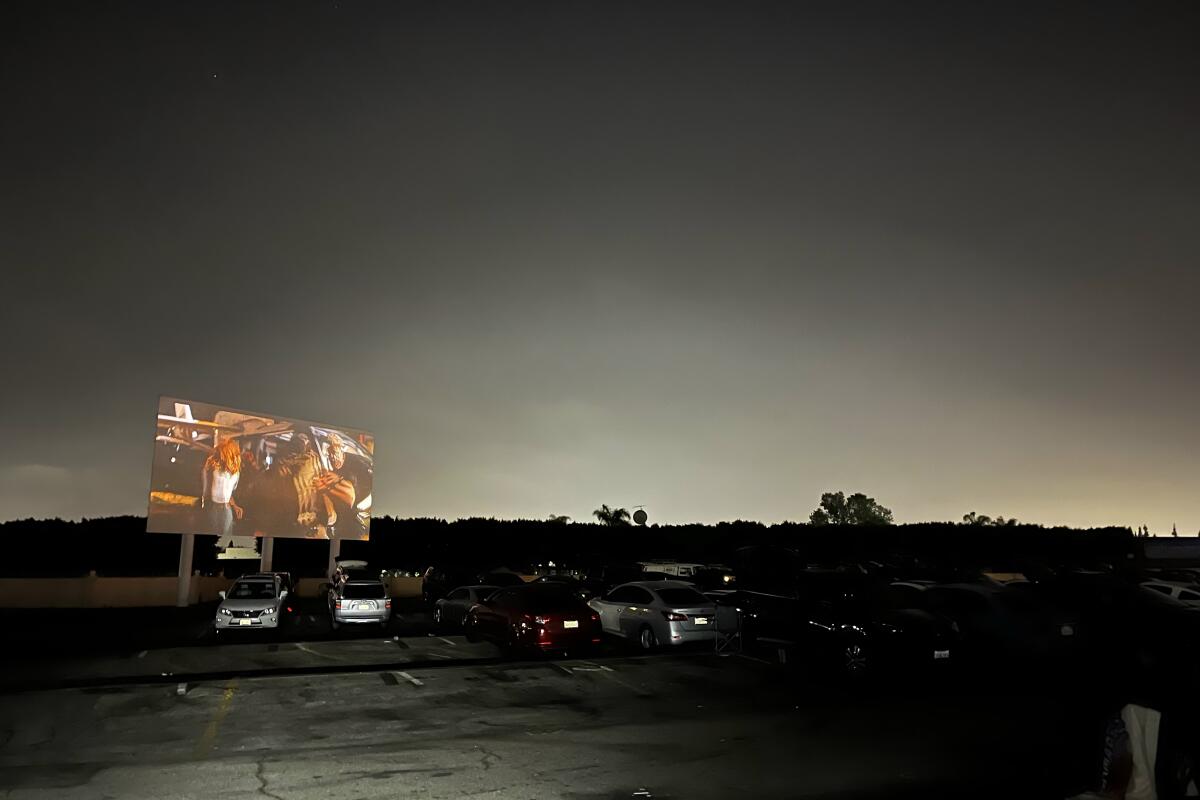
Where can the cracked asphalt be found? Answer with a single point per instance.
(692, 726)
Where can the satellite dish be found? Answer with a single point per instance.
(639, 517)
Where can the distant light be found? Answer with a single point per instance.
(172, 459)
(550, 563)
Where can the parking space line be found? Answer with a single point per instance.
(410, 679)
(214, 725)
(447, 641)
(310, 651)
(563, 669)
(142, 654)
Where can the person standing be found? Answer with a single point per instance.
(220, 475)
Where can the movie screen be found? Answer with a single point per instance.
(233, 473)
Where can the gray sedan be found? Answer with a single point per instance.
(654, 613)
(451, 610)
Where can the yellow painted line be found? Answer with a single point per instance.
(214, 725)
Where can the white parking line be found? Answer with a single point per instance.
(305, 648)
(447, 641)
(409, 678)
(142, 654)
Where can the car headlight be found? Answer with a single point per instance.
(270, 610)
(225, 611)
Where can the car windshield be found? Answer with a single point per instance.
(252, 590)
(682, 596)
(363, 591)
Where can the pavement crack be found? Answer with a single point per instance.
(262, 782)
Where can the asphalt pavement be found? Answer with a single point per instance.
(669, 726)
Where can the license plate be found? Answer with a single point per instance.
(937, 654)
(243, 622)
(364, 607)
(570, 623)
(700, 620)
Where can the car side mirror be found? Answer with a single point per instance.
(221, 594)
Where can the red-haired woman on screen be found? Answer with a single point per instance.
(222, 469)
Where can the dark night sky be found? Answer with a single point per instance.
(710, 258)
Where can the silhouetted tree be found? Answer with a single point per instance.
(560, 519)
(857, 509)
(611, 516)
(971, 518)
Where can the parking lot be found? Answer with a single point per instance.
(673, 726)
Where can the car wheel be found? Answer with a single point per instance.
(855, 662)
(646, 638)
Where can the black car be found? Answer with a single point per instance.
(840, 623)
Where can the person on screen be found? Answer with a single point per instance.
(302, 465)
(338, 486)
(220, 475)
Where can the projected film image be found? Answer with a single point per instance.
(233, 473)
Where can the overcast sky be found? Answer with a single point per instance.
(713, 259)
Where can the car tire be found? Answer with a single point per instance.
(647, 640)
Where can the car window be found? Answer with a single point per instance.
(507, 599)
(363, 591)
(482, 593)
(458, 594)
(1188, 594)
(682, 597)
(252, 590)
(1157, 588)
(623, 594)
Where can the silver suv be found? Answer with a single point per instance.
(252, 602)
(359, 601)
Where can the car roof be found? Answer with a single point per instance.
(259, 576)
(656, 585)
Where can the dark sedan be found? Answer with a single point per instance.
(546, 617)
(838, 622)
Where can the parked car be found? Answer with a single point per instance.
(546, 617)
(359, 601)
(438, 581)
(451, 610)
(1005, 626)
(841, 622)
(1186, 593)
(574, 585)
(654, 613)
(253, 602)
(501, 579)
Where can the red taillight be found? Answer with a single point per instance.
(387, 603)
(673, 616)
(595, 617)
(338, 604)
(289, 608)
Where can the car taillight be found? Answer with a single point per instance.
(387, 603)
(541, 620)
(673, 616)
(338, 604)
(595, 617)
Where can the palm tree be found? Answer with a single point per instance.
(611, 516)
(560, 519)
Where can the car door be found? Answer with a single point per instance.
(635, 611)
(609, 609)
(456, 605)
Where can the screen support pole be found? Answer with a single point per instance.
(268, 553)
(183, 591)
(335, 549)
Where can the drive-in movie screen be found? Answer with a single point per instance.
(226, 472)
